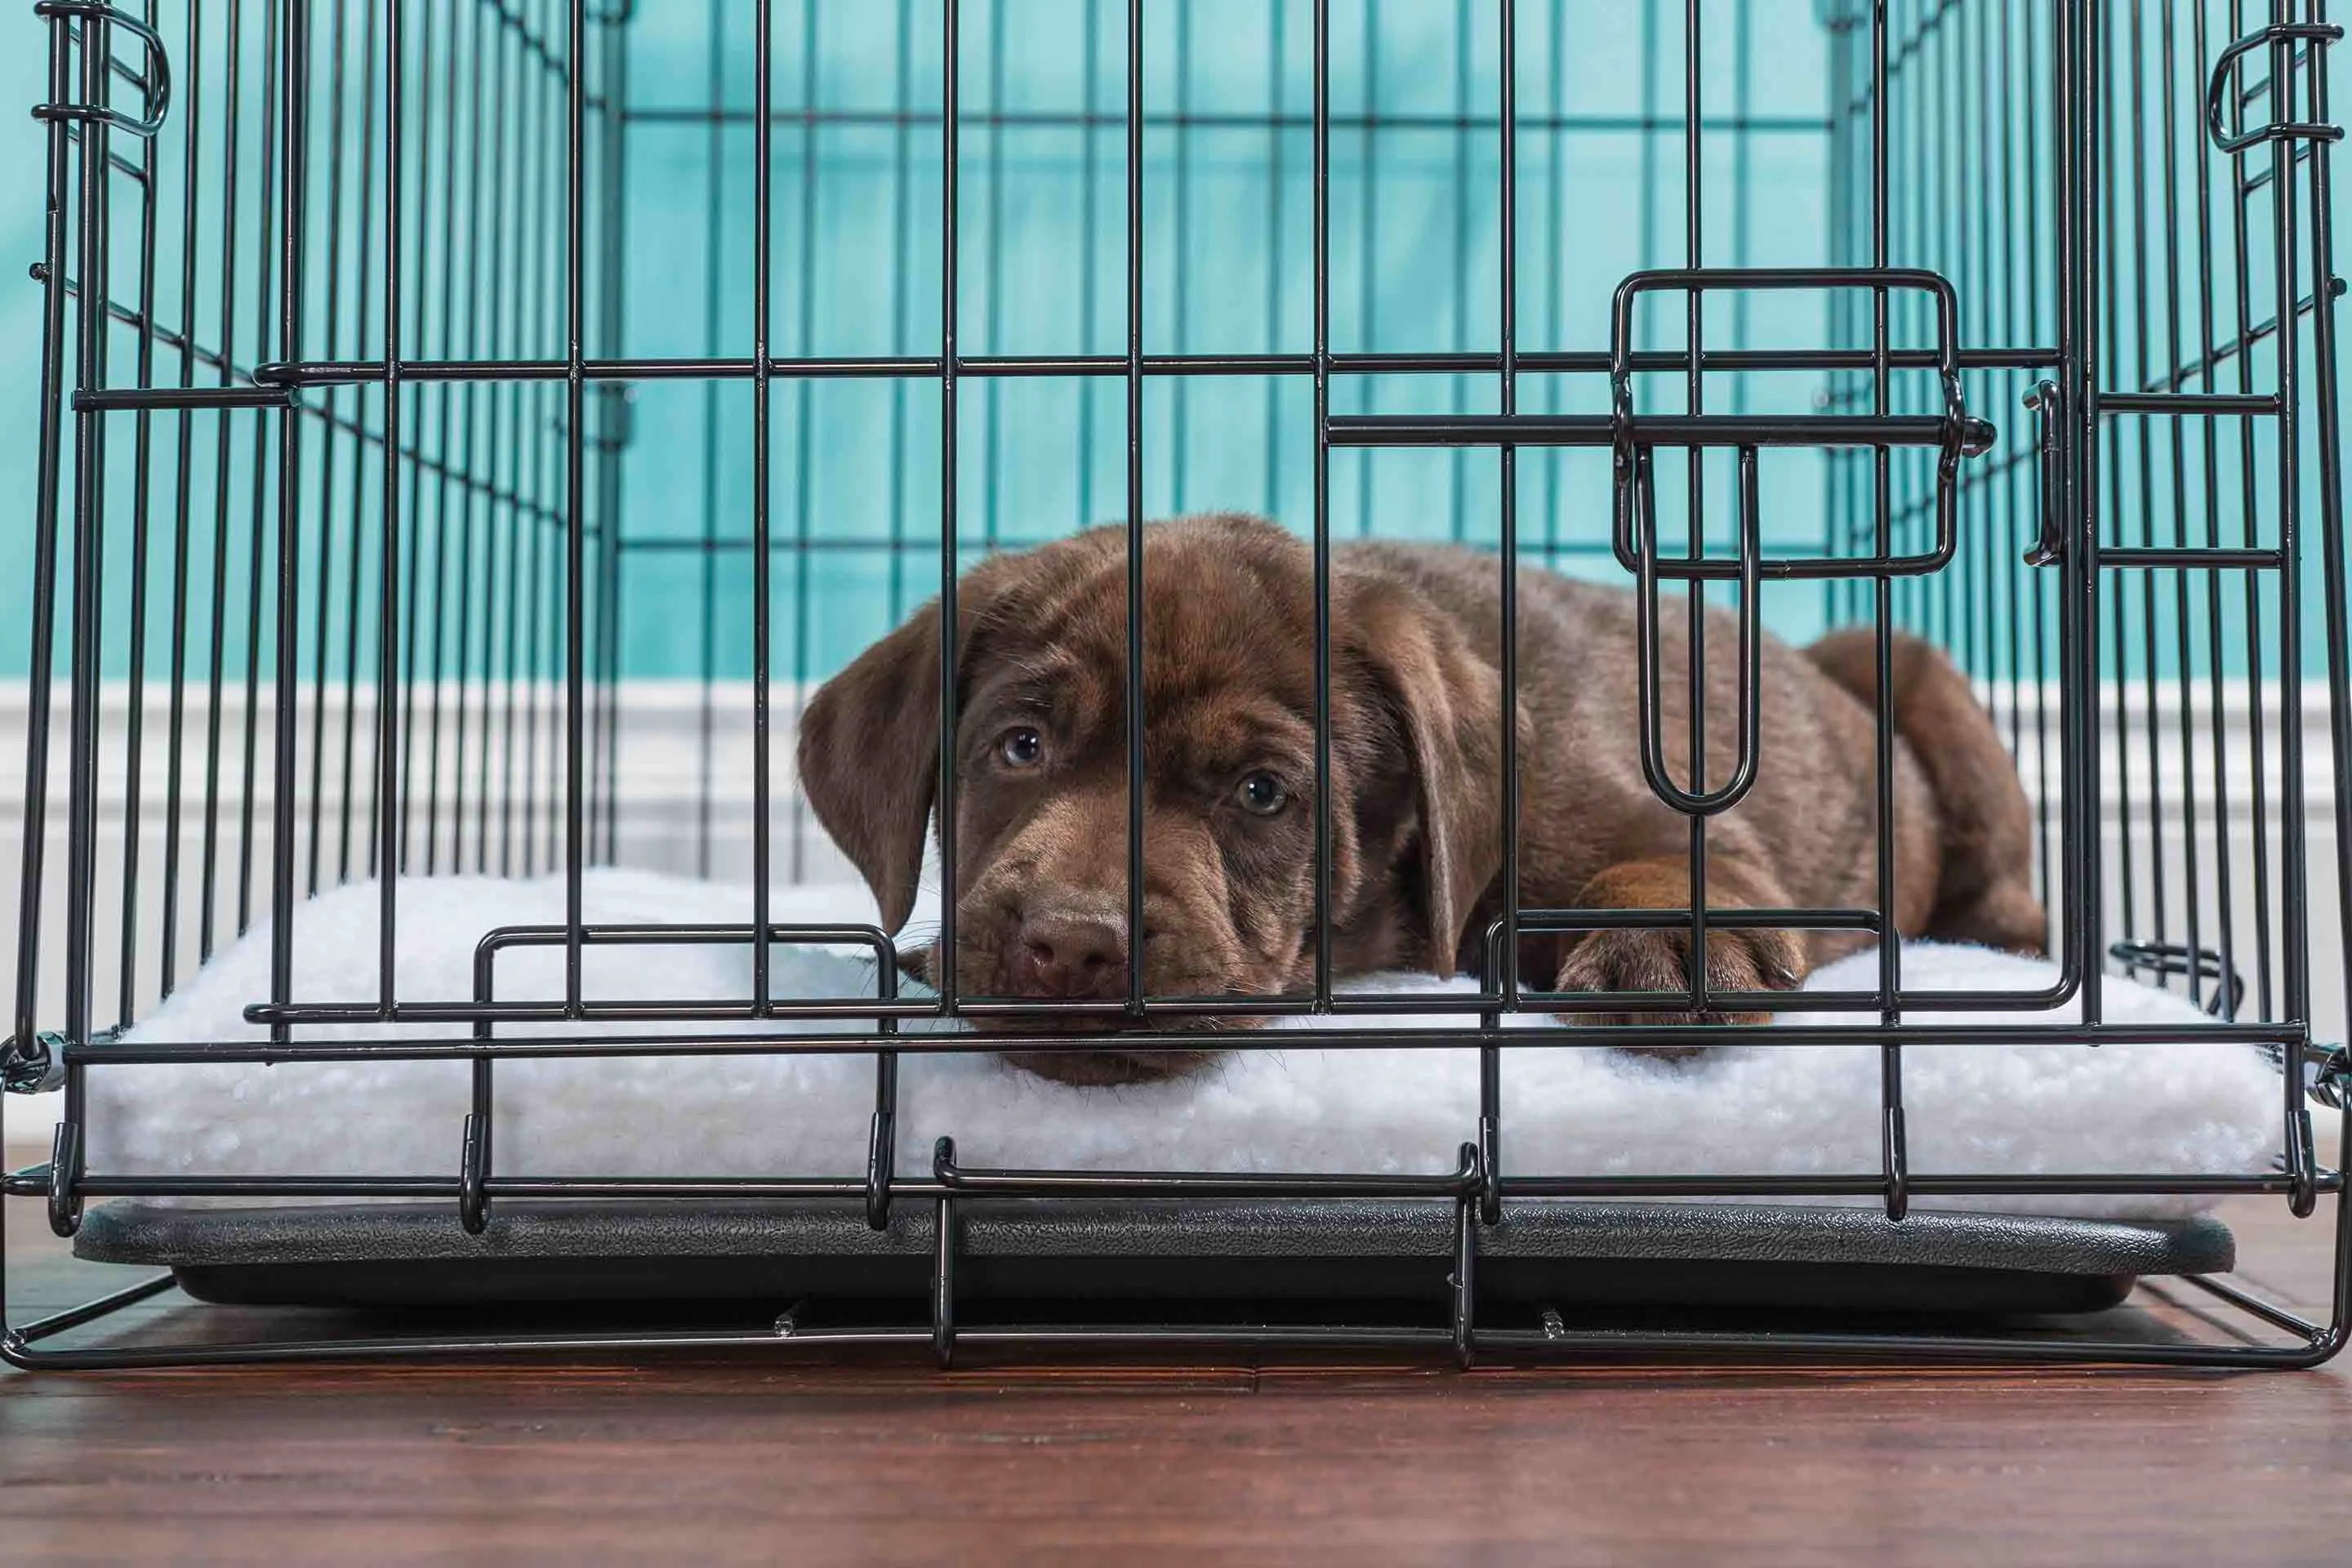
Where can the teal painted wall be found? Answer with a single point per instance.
(855, 465)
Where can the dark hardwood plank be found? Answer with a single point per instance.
(746, 1459)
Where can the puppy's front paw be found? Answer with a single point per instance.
(1659, 961)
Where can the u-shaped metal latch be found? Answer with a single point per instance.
(155, 82)
(65, 1178)
(882, 1133)
(943, 1260)
(1641, 497)
(881, 1147)
(2043, 400)
(2319, 34)
(474, 1176)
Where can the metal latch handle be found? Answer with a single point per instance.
(155, 82)
(1699, 801)
(2318, 33)
(2051, 549)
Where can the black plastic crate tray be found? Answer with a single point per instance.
(1049, 1253)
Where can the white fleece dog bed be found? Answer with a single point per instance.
(2172, 1108)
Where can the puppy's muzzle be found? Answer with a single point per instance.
(1062, 948)
(1066, 952)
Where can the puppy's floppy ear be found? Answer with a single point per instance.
(1446, 705)
(869, 744)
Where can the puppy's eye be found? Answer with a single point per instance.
(1021, 748)
(1262, 795)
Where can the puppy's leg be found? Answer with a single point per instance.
(1659, 960)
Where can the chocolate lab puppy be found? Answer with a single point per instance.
(1416, 757)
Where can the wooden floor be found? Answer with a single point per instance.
(750, 1459)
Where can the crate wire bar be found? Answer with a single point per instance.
(1985, 396)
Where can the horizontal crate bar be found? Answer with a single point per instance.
(1466, 1006)
(798, 1339)
(2190, 558)
(2247, 1301)
(1653, 430)
(687, 934)
(1215, 120)
(91, 1310)
(350, 372)
(1537, 921)
(2188, 403)
(2263, 176)
(1140, 1186)
(1767, 1037)
(1873, 1185)
(1046, 1183)
(271, 379)
(1906, 1348)
(1570, 1002)
(680, 1190)
(928, 545)
(117, 399)
(1546, 1344)
(644, 1010)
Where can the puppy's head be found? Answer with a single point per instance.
(1041, 768)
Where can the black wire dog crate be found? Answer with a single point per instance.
(454, 409)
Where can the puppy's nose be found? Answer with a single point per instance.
(1065, 954)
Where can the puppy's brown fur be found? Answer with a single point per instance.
(1416, 779)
